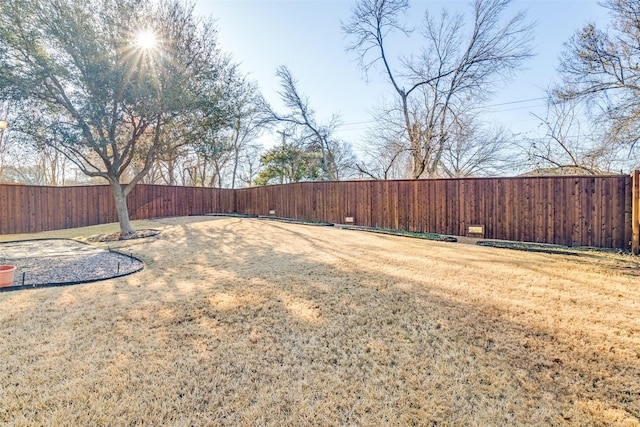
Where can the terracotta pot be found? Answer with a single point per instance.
(7, 273)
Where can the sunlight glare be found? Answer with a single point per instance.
(146, 39)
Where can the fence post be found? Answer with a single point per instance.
(635, 212)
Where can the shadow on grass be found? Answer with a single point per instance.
(540, 357)
(269, 323)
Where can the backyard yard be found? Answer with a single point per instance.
(249, 322)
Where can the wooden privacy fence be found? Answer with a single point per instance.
(31, 209)
(571, 211)
(600, 211)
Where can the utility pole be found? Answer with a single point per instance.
(284, 137)
(284, 150)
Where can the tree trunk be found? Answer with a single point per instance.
(121, 208)
(235, 168)
(171, 171)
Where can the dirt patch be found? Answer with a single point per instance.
(250, 322)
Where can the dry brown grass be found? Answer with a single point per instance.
(248, 322)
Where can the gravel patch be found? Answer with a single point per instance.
(57, 262)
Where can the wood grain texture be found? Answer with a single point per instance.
(602, 211)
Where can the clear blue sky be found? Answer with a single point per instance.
(305, 35)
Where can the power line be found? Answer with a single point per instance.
(514, 102)
(521, 101)
(357, 123)
(517, 108)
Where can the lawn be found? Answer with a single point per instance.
(248, 322)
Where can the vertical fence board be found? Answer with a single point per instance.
(585, 211)
(635, 215)
(628, 212)
(415, 203)
(575, 222)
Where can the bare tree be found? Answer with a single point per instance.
(385, 154)
(29, 160)
(300, 119)
(601, 67)
(474, 151)
(570, 143)
(383, 159)
(248, 165)
(454, 68)
(246, 125)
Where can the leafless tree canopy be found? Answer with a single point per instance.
(300, 122)
(601, 67)
(570, 143)
(384, 151)
(457, 68)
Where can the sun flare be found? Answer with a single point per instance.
(146, 39)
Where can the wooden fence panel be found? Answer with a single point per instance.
(32, 209)
(573, 211)
(601, 211)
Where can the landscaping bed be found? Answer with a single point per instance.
(548, 248)
(58, 262)
(415, 235)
